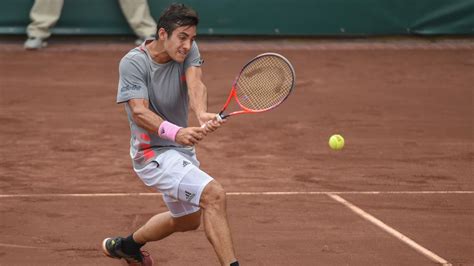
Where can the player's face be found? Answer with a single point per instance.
(180, 42)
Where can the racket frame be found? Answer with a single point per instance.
(233, 92)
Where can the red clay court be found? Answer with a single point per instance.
(400, 193)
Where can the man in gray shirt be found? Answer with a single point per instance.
(159, 81)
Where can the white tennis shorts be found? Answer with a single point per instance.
(176, 174)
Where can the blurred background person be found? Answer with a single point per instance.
(45, 13)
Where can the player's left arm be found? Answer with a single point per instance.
(197, 92)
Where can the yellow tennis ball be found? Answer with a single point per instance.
(336, 142)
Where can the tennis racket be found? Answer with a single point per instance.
(263, 84)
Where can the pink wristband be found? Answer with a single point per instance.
(168, 131)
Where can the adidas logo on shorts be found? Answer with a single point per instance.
(186, 163)
(189, 195)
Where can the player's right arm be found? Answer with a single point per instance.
(151, 122)
(133, 91)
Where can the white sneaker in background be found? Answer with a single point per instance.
(34, 43)
(140, 40)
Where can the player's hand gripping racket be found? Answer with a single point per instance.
(262, 84)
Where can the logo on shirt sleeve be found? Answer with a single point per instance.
(130, 87)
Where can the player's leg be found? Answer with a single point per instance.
(137, 13)
(185, 188)
(164, 224)
(157, 228)
(216, 226)
(176, 175)
(196, 188)
(44, 14)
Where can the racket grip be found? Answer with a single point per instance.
(218, 118)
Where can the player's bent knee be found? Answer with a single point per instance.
(213, 196)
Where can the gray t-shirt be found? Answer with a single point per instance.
(164, 86)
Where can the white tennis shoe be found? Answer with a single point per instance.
(34, 43)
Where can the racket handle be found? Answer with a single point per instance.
(218, 118)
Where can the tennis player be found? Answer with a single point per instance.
(159, 82)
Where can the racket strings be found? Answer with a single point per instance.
(265, 82)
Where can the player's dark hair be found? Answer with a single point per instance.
(175, 16)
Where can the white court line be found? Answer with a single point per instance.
(349, 192)
(282, 193)
(390, 230)
(19, 246)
